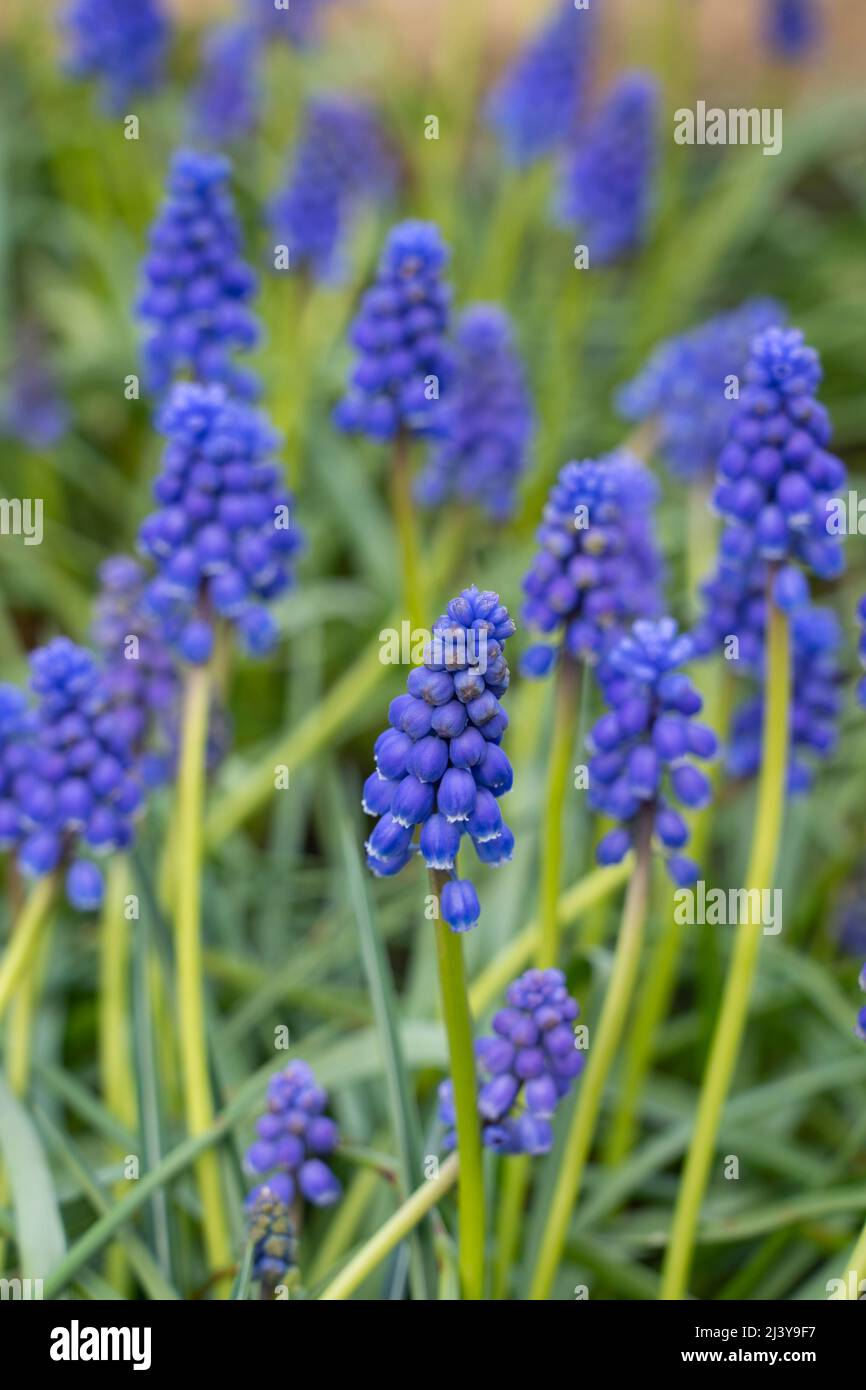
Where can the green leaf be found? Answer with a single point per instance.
(39, 1230)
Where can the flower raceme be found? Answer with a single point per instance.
(123, 44)
(535, 104)
(643, 748)
(440, 767)
(341, 160)
(223, 535)
(296, 1140)
(273, 1237)
(196, 285)
(403, 362)
(527, 1067)
(225, 101)
(597, 567)
(487, 419)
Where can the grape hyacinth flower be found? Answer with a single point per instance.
(606, 186)
(16, 729)
(816, 702)
(341, 159)
(222, 538)
(76, 793)
(527, 1067)
(226, 98)
(598, 567)
(33, 410)
(776, 476)
(534, 106)
(296, 21)
(488, 421)
(792, 28)
(643, 747)
(403, 363)
(296, 1141)
(683, 387)
(860, 1027)
(123, 44)
(861, 651)
(273, 1237)
(440, 767)
(196, 285)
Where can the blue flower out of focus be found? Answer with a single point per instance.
(534, 106)
(527, 1067)
(487, 419)
(296, 1141)
(792, 27)
(273, 1237)
(297, 21)
(122, 42)
(225, 101)
(597, 567)
(776, 476)
(224, 534)
(860, 1026)
(32, 409)
(403, 362)
(683, 387)
(440, 769)
(196, 285)
(643, 748)
(341, 159)
(16, 728)
(816, 702)
(75, 790)
(606, 188)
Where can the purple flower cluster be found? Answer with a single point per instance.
(122, 43)
(775, 473)
(403, 363)
(273, 1237)
(295, 1141)
(296, 21)
(16, 729)
(196, 285)
(223, 536)
(792, 27)
(488, 420)
(816, 702)
(340, 160)
(643, 747)
(72, 782)
(683, 387)
(226, 98)
(439, 766)
(606, 185)
(861, 651)
(33, 410)
(534, 106)
(526, 1068)
(734, 600)
(597, 568)
(860, 1026)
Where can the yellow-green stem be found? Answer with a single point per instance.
(604, 1043)
(115, 1062)
(24, 938)
(567, 702)
(404, 1220)
(461, 1052)
(198, 1101)
(855, 1275)
(741, 971)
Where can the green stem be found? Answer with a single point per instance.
(602, 1054)
(24, 939)
(198, 1102)
(567, 702)
(458, 1029)
(404, 1220)
(403, 507)
(735, 1001)
(857, 1263)
(115, 1063)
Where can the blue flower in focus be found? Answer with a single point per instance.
(526, 1068)
(296, 21)
(341, 159)
(776, 475)
(792, 27)
(122, 42)
(296, 1142)
(534, 105)
(683, 387)
(226, 98)
(643, 748)
(403, 362)
(196, 285)
(223, 536)
(440, 769)
(273, 1237)
(16, 729)
(606, 187)
(597, 567)
(488, 420)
